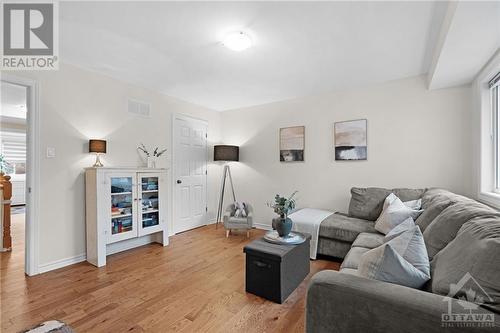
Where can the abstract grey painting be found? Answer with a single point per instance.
(292, 144)
(350, 140)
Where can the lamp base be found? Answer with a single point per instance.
(220, 210)
(98, 163)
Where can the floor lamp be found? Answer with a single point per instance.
(227, 154)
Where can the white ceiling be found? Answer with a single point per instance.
(470, 36)
(301, 48)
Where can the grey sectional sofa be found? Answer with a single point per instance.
(462, 237)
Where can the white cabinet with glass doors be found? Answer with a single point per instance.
(125, 208)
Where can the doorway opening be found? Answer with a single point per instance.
(19, 166)
(13, 133)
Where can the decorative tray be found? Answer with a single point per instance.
(292, 238)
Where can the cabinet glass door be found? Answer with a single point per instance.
(149, 203)
(123, 217)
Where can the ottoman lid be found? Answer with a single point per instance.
(272, 251)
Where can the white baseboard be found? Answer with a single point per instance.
(211, 221)
(262, 226)
(131, 243)
(61, 263)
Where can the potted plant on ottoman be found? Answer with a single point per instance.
(282, 206)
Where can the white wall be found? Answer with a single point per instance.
(76, 105)
(416, 138)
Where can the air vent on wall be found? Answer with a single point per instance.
(138, 107)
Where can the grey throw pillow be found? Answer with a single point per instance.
(402, 260)
(385, 264)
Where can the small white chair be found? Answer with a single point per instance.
(241, 223)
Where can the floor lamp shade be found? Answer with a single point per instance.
(226, 153)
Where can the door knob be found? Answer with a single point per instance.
(179, 181)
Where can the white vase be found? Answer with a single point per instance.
(151, 162)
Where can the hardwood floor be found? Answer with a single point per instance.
(196, 284)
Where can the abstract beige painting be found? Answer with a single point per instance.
(292, 142)
(350, 140)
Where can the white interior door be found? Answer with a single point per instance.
(190, 173)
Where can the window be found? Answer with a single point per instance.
(494, 85)
(13, 147)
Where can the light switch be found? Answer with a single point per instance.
(51, 152)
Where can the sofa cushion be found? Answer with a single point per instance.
(349, 271)
(238, 220)
(445, 226)
(474, 251)
(353, 258)
(435, 195)
(344, 228)
(368, 240)
(431, 212)
(333, 247)
(408, 194)
(367, 203)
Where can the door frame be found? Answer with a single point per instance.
(173, 178)
(33, 175)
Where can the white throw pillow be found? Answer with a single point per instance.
(413, 204)
(399, 229)
(402, 260)
(395, 213)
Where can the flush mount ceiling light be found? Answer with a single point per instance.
(237, 41)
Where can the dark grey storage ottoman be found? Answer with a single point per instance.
(274, 271)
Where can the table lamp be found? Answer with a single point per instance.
(97, 147)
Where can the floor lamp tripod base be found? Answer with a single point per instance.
(220, 210)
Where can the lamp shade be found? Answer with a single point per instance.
(226, 153)
(97, 146)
